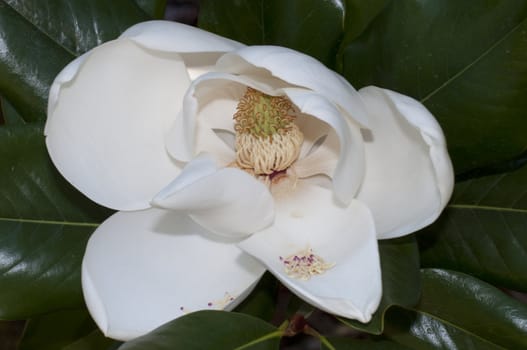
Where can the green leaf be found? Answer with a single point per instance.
(400, 280)
(342, 343)
(55, 330)
(466, 61)
(419, 330)
(44, 227)
(483, 231)
(9, 114)
(474, 307)
(310, 26)
(154, 8)
(262, 301)
(38, 38)
(40, 267)
(359, 15)
(32, 190)
(94, 341)
(216, 330)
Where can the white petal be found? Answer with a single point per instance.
(210, 103)
(67, 73)
(409, 176)
(143, 269)
(199, 49)
(106, 131)
(177, 37)
(341, 235)
(348, 174)
(298, 69)
(226, 201)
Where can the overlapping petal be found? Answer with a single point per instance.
(105, 133)
(225, 201)
(349, 171)
(199, 49)
(409, 176)
(142, 269)
(296, 69)
(344, 235)
(147, 120)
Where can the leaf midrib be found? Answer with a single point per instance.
(49, 222)
(487, 207)
(473, 63)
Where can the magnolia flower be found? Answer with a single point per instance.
(226, 161)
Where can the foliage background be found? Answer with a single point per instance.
(456, 284)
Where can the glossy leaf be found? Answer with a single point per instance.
(483, 231)
(79, 25)
(55, 32)
(262, 301)
(466, 61)
(44, 227)
(24, 80)
(456, 308)
(54, 331)
(9, 114)
(359, 16)
(400, 280)
(419, 330)
(32, 189)
(154, 8)
(310, 26)
(342, 343)
(210, 330)
(40, 267)
(94, 341)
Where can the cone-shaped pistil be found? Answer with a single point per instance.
(267, 139)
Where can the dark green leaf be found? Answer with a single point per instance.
(55, 330)
(154, 8)
(310, 26)
(467, 61)
(32, 189)
(342, 343)
(216, 330)
(468, 307)
(38, 38)
(79, 25)
(24, 80)
(483, 231)
(421, 331)
(262, 301)
(94, 341)
(359, 15)
(9, 114)
(44, 227)
(40, 267)
(400, 280)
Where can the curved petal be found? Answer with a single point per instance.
(66, 75)
(226, 201)
(199, 49)
(142, 269)
(348, 174)
(176, 37)
(343, 236)
(409, 176)
(298, 69)
(210, 103)
(106, 132)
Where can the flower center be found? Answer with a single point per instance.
(305, 264)
(267, 139)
